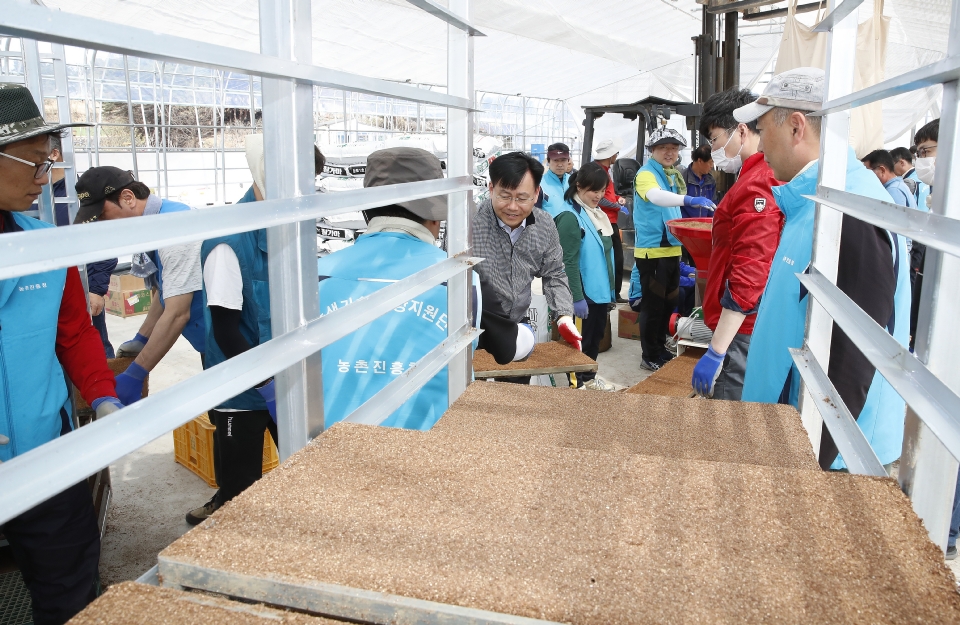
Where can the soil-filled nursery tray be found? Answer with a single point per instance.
(547, 358)
(698, 429)
(139, 604)
(578, 536)
(673, 379)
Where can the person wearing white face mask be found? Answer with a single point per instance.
(746, 232)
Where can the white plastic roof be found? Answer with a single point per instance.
(585, 52)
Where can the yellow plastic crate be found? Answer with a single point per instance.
(193, 448)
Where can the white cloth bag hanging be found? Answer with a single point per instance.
(801, 47)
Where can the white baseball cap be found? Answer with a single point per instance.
(606, 149)
(800, 88)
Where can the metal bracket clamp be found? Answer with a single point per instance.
(851, 443)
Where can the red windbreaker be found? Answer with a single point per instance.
(611, 195)
(746, 233)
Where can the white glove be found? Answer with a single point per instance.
(526, 339)
(568, 330)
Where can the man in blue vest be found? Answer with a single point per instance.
(872, 271)
(107, 193)
(400, 240)
(45, 337)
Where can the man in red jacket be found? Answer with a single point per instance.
(612, 205)
(746, 232)
(45, 333)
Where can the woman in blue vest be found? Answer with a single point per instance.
(659, 192)
(586, 238)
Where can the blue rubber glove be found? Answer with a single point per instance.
(105, 405)
(707, 371)
(624, 209)
(133, 347)
(580, 309)
(269, 393)
(698, 202)
(130, 384)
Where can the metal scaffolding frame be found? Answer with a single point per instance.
(289, 212)
(928, 382)
(150, 116)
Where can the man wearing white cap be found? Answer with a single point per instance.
(872, 272)
(605, 154)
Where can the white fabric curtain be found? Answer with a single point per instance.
(801, 47)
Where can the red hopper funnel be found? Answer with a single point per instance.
(696, 234)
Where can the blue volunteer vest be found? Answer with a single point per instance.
(923, 190)
(553, 188)
(782, 313)
(251, 251)
(357, 366)
(195, 330)
(594, 270)
(34, 405)
(650, 220)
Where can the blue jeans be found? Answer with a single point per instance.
(100, 323)
(955, 519)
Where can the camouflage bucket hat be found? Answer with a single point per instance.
(20, 118)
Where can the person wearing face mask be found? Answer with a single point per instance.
(659, 192)
(586, 238)
(746, 232)
(925, 163)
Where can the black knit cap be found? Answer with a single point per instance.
(20, 118)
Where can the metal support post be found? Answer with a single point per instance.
(288, 147)
(834, 142)
(708, 56)
(587, 151)
(731, 50)
(31, 70)
(459, 161)
(928, 472)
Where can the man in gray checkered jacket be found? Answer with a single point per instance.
(519, 242)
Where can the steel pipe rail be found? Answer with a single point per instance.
(835, 16)
(927, 395)
(23, 253)
(440, 11)
(356, 604)
(375, 410)
(942, 71)
(19, 19)
(851, 443)
(34, 477)
(937, 231)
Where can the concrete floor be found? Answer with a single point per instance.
(151, 492)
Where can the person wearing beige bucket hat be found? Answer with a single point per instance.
(47, 337)
(400, 240)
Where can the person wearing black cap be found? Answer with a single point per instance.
(174, 273)
(400, 240)
(46, 336)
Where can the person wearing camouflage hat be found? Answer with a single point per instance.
(47, 337)
(659, 191)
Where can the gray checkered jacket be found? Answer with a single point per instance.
(508, 270)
